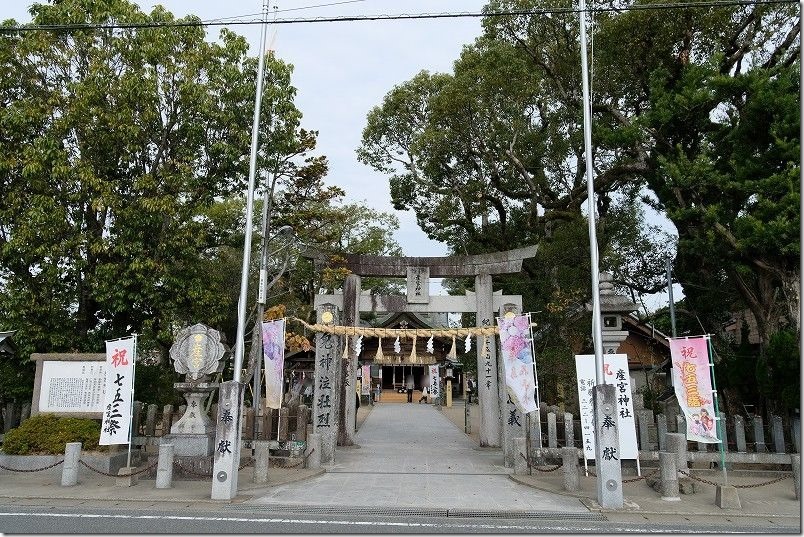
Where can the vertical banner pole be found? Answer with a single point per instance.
(131, 401)
(720, 425)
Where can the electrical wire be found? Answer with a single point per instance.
(416, 16)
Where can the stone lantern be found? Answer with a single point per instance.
(612, 309)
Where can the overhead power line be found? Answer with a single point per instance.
(414, 16)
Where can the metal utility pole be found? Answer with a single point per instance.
(226, 465)
(607, 442)
(597, 331)
(670, 296)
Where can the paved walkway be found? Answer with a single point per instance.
(411, 455)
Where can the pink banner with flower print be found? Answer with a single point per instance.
(517, 361)
(273, 348)
(692, 382)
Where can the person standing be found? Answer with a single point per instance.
(410, 390)
(425, 393)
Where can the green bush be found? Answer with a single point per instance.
(47, 434)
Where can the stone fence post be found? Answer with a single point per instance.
(677, 444)
(164, 467)
(669, 474)
(69, 472)
(572, 473)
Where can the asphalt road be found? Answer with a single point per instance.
(62, 519)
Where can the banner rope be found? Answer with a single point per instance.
(409, 333)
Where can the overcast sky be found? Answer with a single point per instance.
(342, 70)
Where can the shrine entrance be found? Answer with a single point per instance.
(339, 337)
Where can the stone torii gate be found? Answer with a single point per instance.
(334, 413)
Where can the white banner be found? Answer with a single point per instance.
(616, 373)
(517, 359)
(435, 382)
(273, 348)
(119, 394)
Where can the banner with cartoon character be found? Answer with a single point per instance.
(273, 348)
(692, 382)
(517, 360)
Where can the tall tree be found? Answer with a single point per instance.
(118, 149)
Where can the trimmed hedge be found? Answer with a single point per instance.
(47, 434)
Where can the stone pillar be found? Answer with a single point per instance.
(25, 413)
(227, 440)
(607, 448)
(284, 418)
(314, 451)
(797, 434)
(661, 431)
(759, 435)
(261, 461)
(520, 457)
(739, 434)
(326, 397)
(677, 443)
(248, 422)
(69, 471)
(795, 461)
(778, 435)
(167, 419)
(721, 426)
(487, 377)
(164, 467)
(552, 432)
(569, 431)
(347, 426)
(150, 420)
(644, 421)
(135, 419)
(669, 476)
(681, 424)
(301, 423)
(266, 433)
(572, 474)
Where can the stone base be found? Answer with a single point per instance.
(191, 445)
(102, 461)
(124, 477)
(726, 497)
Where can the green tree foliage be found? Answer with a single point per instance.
(699, 104)
(125, 157)
(116, 144)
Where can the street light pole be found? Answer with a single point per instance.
(607, 442)
(230, 400)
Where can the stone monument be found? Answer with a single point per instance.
(196, 353)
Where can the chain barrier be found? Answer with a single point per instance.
(101, 472)
(640, 478)
(533, 465)
(191, 472)
(755, 485)
(296, 464)
(33, 470)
